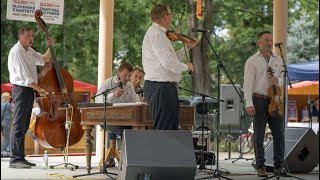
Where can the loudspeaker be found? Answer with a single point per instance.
(158, 155)
(230, 108)
(301, 151)
(209, 158)
(197, 140)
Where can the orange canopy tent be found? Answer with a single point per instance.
(77, 85)
(304, 88)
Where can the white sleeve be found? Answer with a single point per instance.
(248, 82)
(164, 51)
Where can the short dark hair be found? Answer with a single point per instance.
(139, 69)
(125, 65)
(158, 11)
(262, 33)
(23, 29)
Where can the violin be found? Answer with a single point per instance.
(274, 93)
(174, 36)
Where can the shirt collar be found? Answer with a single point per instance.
(158, 26)
(116, 79)
(21, 47)
(259, 53)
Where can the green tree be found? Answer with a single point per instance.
(303, 40)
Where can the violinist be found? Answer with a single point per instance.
(163, 68)
(256, 84)
(22, 65)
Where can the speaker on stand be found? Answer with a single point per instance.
(231, 113)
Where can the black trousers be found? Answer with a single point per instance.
(23, 98)
(163, 101)
(262, 117)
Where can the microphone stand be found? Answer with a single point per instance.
(284, 172)
(103, 170)
(202, 164)
(218, 173)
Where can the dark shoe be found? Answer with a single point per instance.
(5, 154)
(262, 172)
(19, 165)
(29, 163)
(277, 171)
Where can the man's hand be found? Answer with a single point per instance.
(117, 93)
(274, 80)
(142, 99)
(190, 67)
(192, 44)
(251, 111)
(42, 92)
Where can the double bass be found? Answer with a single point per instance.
(58, 124)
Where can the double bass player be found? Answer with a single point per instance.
(22, 65)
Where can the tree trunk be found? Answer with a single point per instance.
(201, 80)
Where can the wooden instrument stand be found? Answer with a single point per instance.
(111, 152)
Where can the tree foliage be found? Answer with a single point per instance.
(303, 40)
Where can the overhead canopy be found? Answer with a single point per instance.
(77, 85)
(308, 71)
(304, 88)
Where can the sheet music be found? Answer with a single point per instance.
(129, 104)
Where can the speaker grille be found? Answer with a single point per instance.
(159, 153)
(301, 151)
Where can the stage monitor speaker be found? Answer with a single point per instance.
(301, 151)
(158, 154)
(230, 108)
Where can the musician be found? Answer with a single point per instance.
(163, 68)
(123, 93)
(22, 65)
(256, 84)
(136, 80)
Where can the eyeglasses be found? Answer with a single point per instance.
(169, 14)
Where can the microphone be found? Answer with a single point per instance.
(120, 85)
(140, 91)
(278, 44)
(199, 30)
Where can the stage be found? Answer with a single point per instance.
(240, 170)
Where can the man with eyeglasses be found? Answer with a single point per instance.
(163, 68)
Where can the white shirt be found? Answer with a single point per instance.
(160, 61)
(128, 95)
(22, 65)
(256, 78)
(36, 110)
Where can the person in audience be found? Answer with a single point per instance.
(35, 112)
(6, 122)
(315, 108)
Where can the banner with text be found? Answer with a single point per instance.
(23, 10)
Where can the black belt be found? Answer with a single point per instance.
(26, 87)
(260, 96)
(163, 82)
